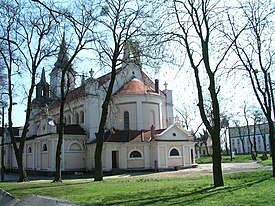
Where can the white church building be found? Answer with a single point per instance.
(140, 130)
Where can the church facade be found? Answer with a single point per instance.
(140, 129)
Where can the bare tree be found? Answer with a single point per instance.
(3, 77)
(26, 41)
(80, 22)
(225, 127)
(248, 129)
(203, 139)
(241, 134)
(199, 23)
(122, 20)
(185, 114)
(118, 22)
(255, 51)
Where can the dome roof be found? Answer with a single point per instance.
(135, 86)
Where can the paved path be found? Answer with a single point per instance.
(200, 169)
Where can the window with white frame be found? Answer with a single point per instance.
(174, 152)
(135, 154)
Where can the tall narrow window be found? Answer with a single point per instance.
(69, 119)
(44, 148)
(126, 120)
(81, 117)
(29, 149)
(77, 118)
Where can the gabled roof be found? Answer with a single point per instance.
(174, 133)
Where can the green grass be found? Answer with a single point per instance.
(247, 188)
(236, 159)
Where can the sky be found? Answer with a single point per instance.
(235, 90)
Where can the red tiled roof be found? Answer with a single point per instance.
(129, 135)
(134, 86)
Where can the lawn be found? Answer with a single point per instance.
(236, 159)
(246, 188)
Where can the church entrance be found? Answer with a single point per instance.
(115, 159)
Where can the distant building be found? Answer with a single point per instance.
(240, 138)
(140, 132)
(8, 151)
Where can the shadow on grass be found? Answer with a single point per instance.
(23, 188)
(181, 197)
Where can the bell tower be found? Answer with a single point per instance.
(62, 64)
(42, 92)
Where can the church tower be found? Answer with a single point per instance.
(42, 92)
(62, 63)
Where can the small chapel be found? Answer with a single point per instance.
(140, 133)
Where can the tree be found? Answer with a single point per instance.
(26, 41)
(199, 23)
(118, 22)
(248, 132)
(263, 131)
(3, 78)
(80, 19)
(186, 116)
(241, 133)
(203, 138)
(225, 127)
(122, 22)
(255, 52)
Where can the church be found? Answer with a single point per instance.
(140, 132)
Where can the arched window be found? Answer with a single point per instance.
(81, 117)
(153, 118)
(126, 120)
(75, 147)
(77, 118)
(29, 149)
(44, 147)
(135, 154)
(174, 152)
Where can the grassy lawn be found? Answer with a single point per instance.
(247, 188)
(237, 158)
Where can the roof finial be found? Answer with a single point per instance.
(43, 77)
(91, 73)
(165, 85)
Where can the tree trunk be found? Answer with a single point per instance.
(58, 175)
(243, 146)
(98, 154)
(272, 144)
(21, 170)
(217, 168)
(225, 141)
(104, 114)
